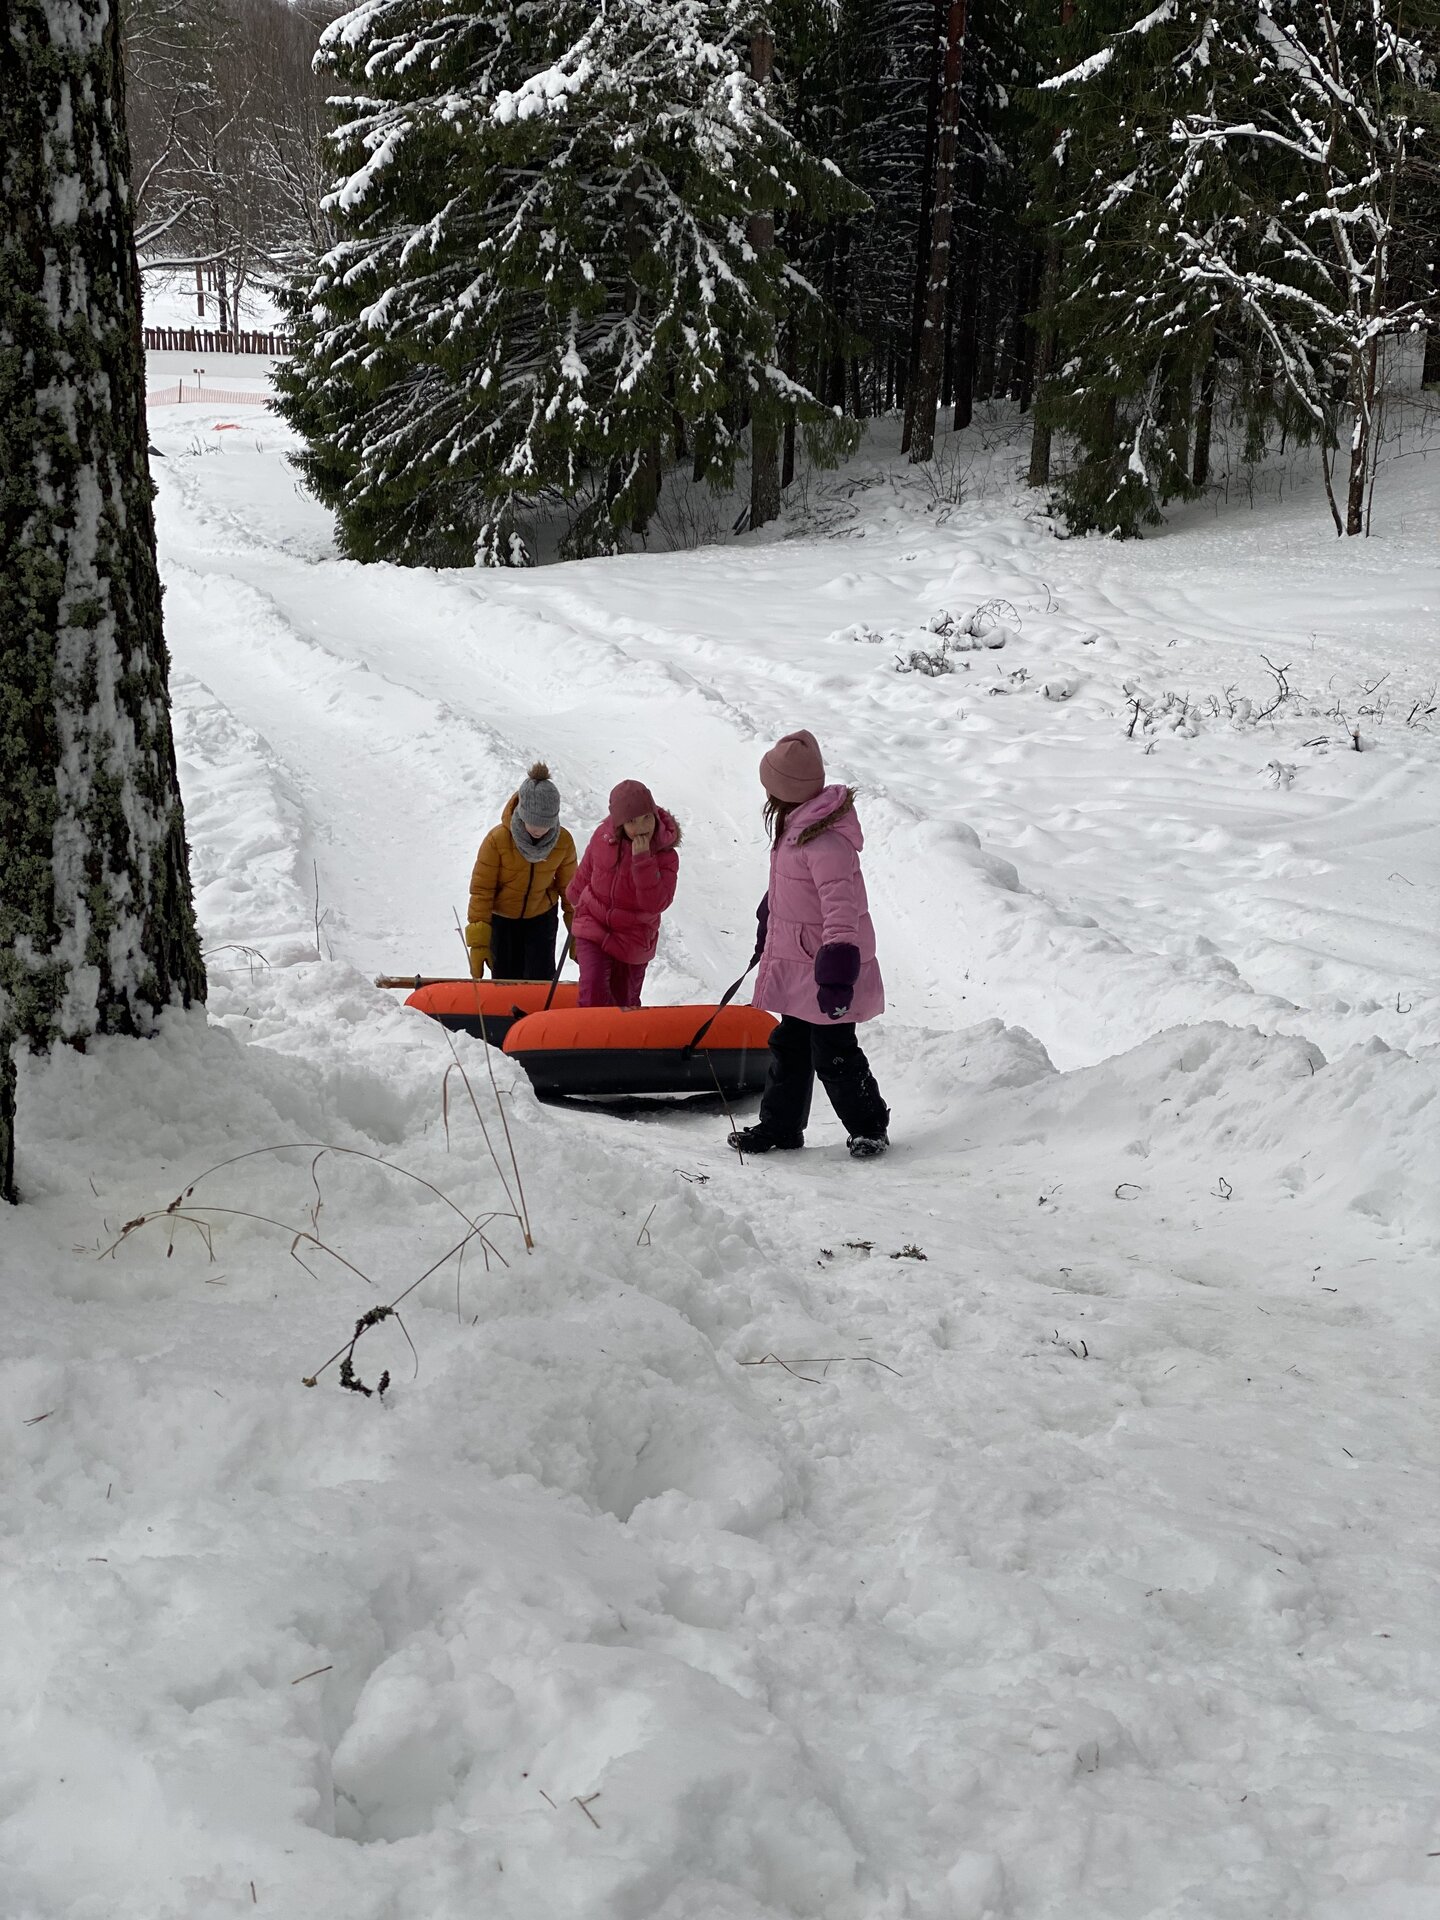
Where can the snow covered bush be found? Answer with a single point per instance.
(545, 284)
(982, 627)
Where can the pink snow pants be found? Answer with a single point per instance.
(605, 981)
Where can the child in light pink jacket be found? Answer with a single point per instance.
(816, 948)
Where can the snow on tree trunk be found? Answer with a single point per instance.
(927, 377)
(97, 926)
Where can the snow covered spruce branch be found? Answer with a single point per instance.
(545, 285)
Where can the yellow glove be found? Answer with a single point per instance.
(477, 939)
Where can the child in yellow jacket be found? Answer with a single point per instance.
(518, 885)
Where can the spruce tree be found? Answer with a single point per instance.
(544, 280)
(1125, 330)
(97, 929)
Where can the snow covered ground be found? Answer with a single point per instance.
(1039, 1522)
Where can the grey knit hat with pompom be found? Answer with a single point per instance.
(538, 800)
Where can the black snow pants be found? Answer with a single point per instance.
(524, 949)
(799, 1049)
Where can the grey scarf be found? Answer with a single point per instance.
(532, 850)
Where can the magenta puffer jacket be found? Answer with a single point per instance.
(619, 895)
(817, 899)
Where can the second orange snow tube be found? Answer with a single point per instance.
(487, 1008)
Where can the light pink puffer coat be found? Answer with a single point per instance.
(817, 899)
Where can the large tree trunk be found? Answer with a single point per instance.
(1430, 371)
(97, 927)
(764, 428)
(926, 396)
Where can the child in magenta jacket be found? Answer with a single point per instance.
(625, 881)
(816, 949)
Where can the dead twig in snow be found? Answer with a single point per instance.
(821, 1360)
(1282, 688)
(320, 918)
(522, 1211)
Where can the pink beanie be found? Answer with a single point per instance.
(792, 770)
(629, 800)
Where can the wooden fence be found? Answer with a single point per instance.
(203, 340)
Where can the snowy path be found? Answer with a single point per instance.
(1209, 874)
(1083, 1567)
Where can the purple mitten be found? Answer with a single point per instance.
(837, 968)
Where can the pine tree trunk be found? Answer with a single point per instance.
(792, 368)
(8, 1195)
(1430, 371)
(927, 377)
(97, 926)
(1017, 386)
(922, 231)
(1204, 424)
(1040, 437)
(965, 321)
(988, 326)
(764, 435)
(1362, 389)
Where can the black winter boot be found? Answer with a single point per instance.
(867, 1146)
(763, 1139)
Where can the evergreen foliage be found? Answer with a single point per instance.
(543, 286)
(1229, 179)
(97, 929)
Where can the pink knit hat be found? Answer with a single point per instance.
(792, 770)
(629, 800)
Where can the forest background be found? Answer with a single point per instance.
(537, 259)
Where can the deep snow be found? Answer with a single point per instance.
(726, 1558)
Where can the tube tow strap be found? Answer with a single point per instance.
(559, 968)
(729, 995)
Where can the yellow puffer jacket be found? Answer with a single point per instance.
(505, 882)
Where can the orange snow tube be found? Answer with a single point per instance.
(487, 1008)
(613, 1052)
